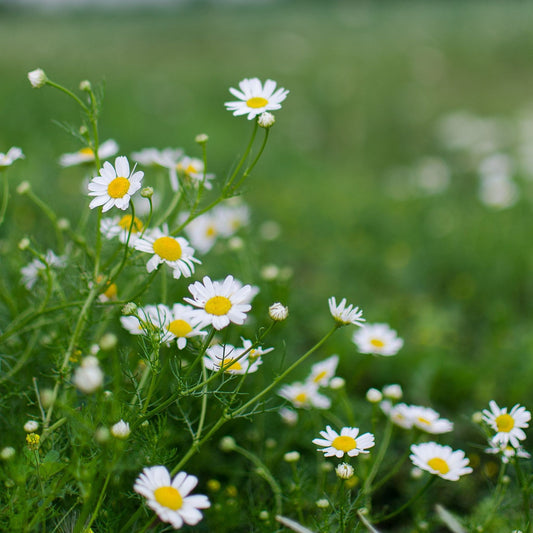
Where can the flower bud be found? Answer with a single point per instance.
(291, 457)
(337, 383)
(7, 453)
(37, 78)
(120, 430)
(23, 187)
(88, 377)
(278, 312)
(227, 444)
(108, 341)
(129, 309)
(344, 471)
(31, 426)
(24, 243)
(147, 192)
(322, 503)
(85, 85)
(266, 119)
(201, 138)
(373, 395)
(393, 392)
(63, 224)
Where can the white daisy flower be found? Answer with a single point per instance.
(254, 98)
(158, 158)
(228, 357)
(230, 217)
(170, 498)
(120, 226)
(304, 396)
(30, 272)
(10, 157)
(222, 302)
(440, 460)
(400, 414)
(115, 185)
(88, 377)
(289, 416)
(174, 251)
(181, 323)
(429, 420)
(508, 426)
(202, 231)
(86, 155)
(254, 353)
(345, 315)
(377, 339)
(148, 317)
(193, 169)
(507, 452)
(322, 372)
(336, 445)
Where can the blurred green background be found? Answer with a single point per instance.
(368, 82)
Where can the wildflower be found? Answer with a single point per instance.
(440, 460)
(170, 498)
(23, 187)
(266, 120)
(270, 272)
(337, 383)
(129, 309)
(254, 353)
(429, 420)
(33, 440)
(193, 170)
(85, 85)
(88, 377)
(334, 444)
(322, 372)
(37, 78)
(374, 395)
(393, 392)
(278, 312)
(305, 396)
(377, 339)
(174, 251)
(400, 414)
(344, 471)
(86, 155)
(322, 503)
(31, 271)
(182, 323)
(231, 359)
(109, 293)
(289, 416)
(291, 457)
(7, 453)
(115, 185)
(507, 452)
(120, 227)
(31, 426)
(508, 426)
(345, 315)
(120, 430)
(221, 302)
(254, 98)
(227, 444)
(201, 138)
(146, 319)
(10, 157)
(108, 341)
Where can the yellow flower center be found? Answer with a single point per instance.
(168, 497)
(218, 305)
(300, 398)
(344, 443)
(210, 231)
(505, 423)
(111, 291)
(118, 187)
(320, 376)
(180, 328)
(377, 343)
(423, 420)
(438, 464)
(234, 366)
(86, 151)
(257, 102)
(191, 169)
(125, 223)
(167, 248)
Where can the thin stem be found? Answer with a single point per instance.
(246, 173)
(379, 457)
(204, 405)
(525, 495)
(229, 182)
(5, 197)
(69, 93)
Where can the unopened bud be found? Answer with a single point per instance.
(129, 309)
(147, 192)
(85, 85)
(278, 312)
(23, 187)
(37, 78)
(266, 119)
(201, 138)
(227, 444)
(24, 243)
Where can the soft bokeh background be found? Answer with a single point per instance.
(370, 83)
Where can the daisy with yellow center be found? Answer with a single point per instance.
(174, 251)
(305, 395)
(170, 498)
(254, 353)
(181, 323)
(509, 427)
(115, 185)
(221, 302)
(86, 155)
(429, 420)
(344, 314)
(231, 359)
(347, 442)
(255, 98)
(147, 319)
(10, 157)
(192, 169)
(120, 226)
(377, 339)
(440, 460)
(322, 372)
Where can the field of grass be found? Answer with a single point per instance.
(369, 83)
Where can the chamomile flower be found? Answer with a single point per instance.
(440, 460)
(322, 372)
(202, 231)
(254, 353)
(158, 158)
(115, 185)
(507, 452)
(170, 498)
(146, 319)
(221, 302)
(181, 323)
(304, 396)
(231, 359)
(399, 414)
(30, 272)
(334, 444)
(429, 420)
(193, 169)
(10, 157)
(86, 155)
(345, 315)
(120, 226)
(510, 426)
(377, 339)
(255, 98)
(174, 251)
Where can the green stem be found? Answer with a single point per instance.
(204, 405)
(69, 93)
(246, 173)
(5, 197)
(230, 180)
(367, 487)
(525, 495)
